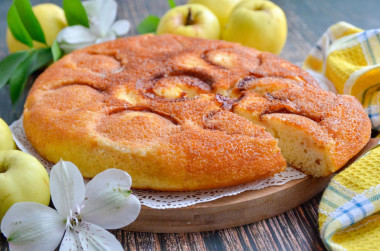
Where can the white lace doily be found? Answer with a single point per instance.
(164, 200)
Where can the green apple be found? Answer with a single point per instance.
(221, 8)
(22, 178)
(6, 138)
(259, 24)
(193, 20)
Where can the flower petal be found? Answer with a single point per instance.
(109, 202)
(101, 13)
(121, 27)
(87, 236)
(75, 34)
(75, 37)
(32, 226)
(108, 37)
(92, 8)
(67, 48)
(66, 187)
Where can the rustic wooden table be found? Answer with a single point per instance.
(296, 229)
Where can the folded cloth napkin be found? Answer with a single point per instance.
(349, 212)
(348, 58)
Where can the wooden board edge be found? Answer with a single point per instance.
(241, 209)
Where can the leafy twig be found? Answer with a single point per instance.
(29, 20)
(16, 68)
(75, 13)
(150, 23)
(172, 4)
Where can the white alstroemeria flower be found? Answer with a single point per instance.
(82, 212)
(101, 15)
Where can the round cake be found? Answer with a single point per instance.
(180, 113)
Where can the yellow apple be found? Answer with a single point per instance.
(6, 138)
(52, 20)
(259, 24)
(193, 20)
(22, 178)
(221, 8)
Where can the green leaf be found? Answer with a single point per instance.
(19, 78)
(42, 58)
(9, 64)
(24, 9)
(17, 27)
(148, 25)
(34, 61)
(172, 4)
(56, 51)
(75, 13)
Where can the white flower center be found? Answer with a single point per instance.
(73, 219)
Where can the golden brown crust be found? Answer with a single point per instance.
(336, 120)
(161, 108)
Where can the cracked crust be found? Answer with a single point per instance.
(182, 113)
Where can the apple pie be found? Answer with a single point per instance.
(180, 113)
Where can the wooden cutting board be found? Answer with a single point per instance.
(241, 209)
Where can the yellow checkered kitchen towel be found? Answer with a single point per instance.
(349, 212)
(350, 59)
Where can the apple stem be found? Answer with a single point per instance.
(189, 18)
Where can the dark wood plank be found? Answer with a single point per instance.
(296, 229)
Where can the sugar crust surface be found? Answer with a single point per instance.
(182, 114)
